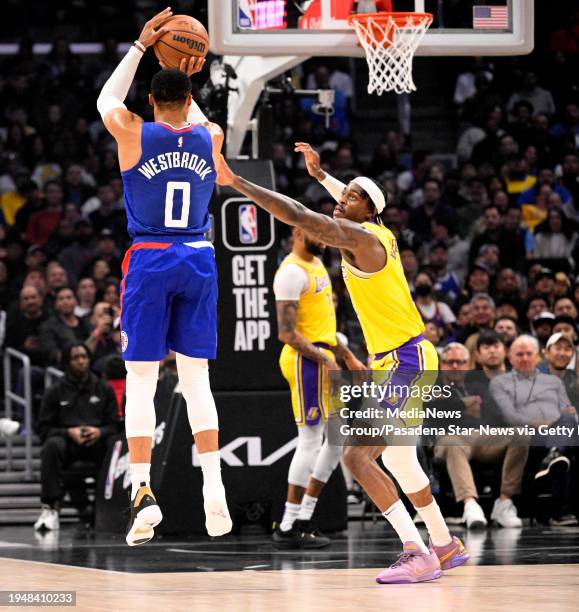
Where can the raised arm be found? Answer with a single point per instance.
(334, 187)
(117, 119)
(110, 102)
(339, 233)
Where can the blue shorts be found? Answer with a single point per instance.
(169, 301)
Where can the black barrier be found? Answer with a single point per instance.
(246, 254)
(257, 439)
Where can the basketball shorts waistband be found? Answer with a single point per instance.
(410, 342)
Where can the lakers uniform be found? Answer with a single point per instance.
(316, 322)
(391, 324)
(169, 284)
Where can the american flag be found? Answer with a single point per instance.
(496, 17)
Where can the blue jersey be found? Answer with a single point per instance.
(167, 192)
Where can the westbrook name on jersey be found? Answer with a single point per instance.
(168, 161)
(167, 192)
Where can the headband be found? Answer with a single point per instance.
(375, 193)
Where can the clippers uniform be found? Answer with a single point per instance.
(169, 284)
(392, 326)
(316, 322)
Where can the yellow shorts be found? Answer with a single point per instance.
(308, 383)
(413, 365)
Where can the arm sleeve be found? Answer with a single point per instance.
(498, 390)
(117, 87)
(290, 282)
(333, 186)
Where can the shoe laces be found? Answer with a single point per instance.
(402, 559)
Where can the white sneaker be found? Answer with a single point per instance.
(474, 516)
(48, 519)
(217, 519)
(8, 427)
(505, 513)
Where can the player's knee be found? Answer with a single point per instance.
(402, 462)
(191, 369)
(327, 462)
(142, 372)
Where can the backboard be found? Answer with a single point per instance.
(319, 27)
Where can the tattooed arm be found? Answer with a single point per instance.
(287, 311)
(339, 233)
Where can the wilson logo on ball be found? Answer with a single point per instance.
(197, 45)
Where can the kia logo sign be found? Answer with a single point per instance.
(254, 452)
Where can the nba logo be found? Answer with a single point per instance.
(248, 224)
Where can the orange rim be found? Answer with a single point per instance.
(400, 19)
(388, 21)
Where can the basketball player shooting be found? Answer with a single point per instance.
(393, 331)
(169, 286)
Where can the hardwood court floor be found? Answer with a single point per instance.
(473, 588)
(533, 569)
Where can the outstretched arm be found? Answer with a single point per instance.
(339, 233)
(334, 187)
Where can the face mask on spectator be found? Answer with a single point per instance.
(423, 290)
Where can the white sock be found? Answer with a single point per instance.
(290, 514)
(217, 519)
(211, 468)
(307, 508)
(401, 521)
(435, 523)
(140, 472)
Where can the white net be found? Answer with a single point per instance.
(390, 43)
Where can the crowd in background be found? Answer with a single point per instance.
(487, 243)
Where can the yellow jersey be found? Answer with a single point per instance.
(316, 317)
(382, 300)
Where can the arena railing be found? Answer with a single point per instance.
(51, 375)
(24, 400)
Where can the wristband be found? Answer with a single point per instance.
(140, 46)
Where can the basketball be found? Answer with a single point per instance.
(186, 37)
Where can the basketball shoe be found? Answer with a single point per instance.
(217, 519)
(309, 535)
(145, 516)
(286, 540)
(451, 555)
(412, 566)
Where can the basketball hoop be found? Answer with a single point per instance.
(390, 41)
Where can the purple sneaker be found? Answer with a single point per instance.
(451, 555)
(412, 566)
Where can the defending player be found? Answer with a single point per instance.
(393, 330)
(306, 322)
(169, 286)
